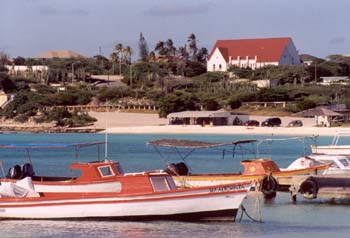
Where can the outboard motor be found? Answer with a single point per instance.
(27, 170)
(182, 168)
(15, 172)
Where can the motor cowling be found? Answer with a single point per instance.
(182, 168)
(177, 169)
(27, 170)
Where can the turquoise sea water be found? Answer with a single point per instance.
(281, 218)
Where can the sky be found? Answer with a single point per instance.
(31, 27)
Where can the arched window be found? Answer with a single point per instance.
(213, 67)
(220, 66)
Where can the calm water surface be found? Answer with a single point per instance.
(280, 217)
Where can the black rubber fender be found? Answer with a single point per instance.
(269, 186)
(309, 189)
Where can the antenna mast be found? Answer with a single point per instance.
(106, 135)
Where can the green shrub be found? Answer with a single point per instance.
(234, 102)
(177, 102)
(305, 104)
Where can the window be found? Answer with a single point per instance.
(106, 171)
(220, 66)
(159, 183)
(213, 67)
(344, 162)
(171, 183)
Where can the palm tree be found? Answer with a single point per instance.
(118, 49)
(192, 45)
(160, 47)
(182, 52)
(202, 54)
(170, 47)
(127, 52)
(115, 59)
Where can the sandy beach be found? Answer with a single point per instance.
(144, 123)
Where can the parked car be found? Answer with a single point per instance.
(295, 123)
(274, 121)
(251, 123)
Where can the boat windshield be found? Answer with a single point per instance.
(344, 162)
(118, 168)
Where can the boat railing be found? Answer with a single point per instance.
(151, 172)
(338, 135)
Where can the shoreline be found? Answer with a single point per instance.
(226, 130)
(185, 130)
(145, 123)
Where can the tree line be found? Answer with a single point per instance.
(172, 77)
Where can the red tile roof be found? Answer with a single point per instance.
(266, 49)
(224, 53)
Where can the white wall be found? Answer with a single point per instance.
(216, 59)
(23, 68)
(244, 62)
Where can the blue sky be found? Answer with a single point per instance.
(30, 27)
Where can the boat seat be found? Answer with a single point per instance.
(15, 172)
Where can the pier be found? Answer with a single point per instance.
(330, 187)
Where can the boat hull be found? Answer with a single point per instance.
(212, 203)
(282, 177)
(331, 150)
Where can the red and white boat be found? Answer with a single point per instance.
(94, 177)
(133, 196)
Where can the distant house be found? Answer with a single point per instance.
(62, 54)
(205, 118)
(322, 115)
(252, 53)
(15, 69)
(265, 83)
(342, 80)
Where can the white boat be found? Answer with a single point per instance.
(338, 164)
(334, 148)
(133, 196)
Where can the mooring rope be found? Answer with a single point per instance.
(256, 206)
(244, 211)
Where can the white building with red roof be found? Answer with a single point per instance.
(252, 53)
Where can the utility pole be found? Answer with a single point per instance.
(72, 72)
(130, 75)
(77, 62)
(100, 54)
(315, 73)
